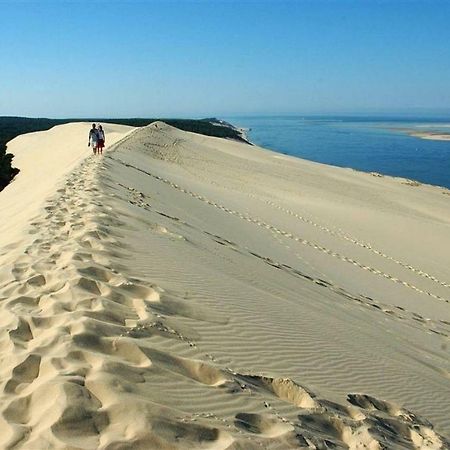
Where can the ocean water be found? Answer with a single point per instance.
(371, 144)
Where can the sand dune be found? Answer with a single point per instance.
(187, 292)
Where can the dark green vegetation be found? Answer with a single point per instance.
(10, 127)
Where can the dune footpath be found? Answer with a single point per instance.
(189, 292)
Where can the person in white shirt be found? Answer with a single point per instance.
(93, 138)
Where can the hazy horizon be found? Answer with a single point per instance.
(418, 113)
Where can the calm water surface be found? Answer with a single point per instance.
(371, 144)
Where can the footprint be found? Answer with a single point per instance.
(96, 273)
(190, 368)
(283, 388)
(36, 281)
(88, 285)
(373, 404)
(190, 435)
(78, 423)
(24, 373)
(325, 429)
(18, 411)
(139, 291)
(22, 333)
(263, 424)
(170, 305)
(23, 302)
(396, 426)
(119, 349)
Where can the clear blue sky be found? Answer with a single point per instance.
(222, 57)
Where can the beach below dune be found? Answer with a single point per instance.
(185, 291)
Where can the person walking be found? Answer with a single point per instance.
(101, 139)
(93, 138)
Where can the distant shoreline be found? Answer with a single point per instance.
(430, 135)
(242, 132)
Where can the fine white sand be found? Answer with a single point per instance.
(189, 292)
(44, 158)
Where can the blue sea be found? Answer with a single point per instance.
(371, 144)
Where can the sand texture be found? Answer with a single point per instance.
(189, 292)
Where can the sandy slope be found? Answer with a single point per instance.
(44, 159)
(189, 292)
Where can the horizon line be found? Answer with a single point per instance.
(417, 112)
